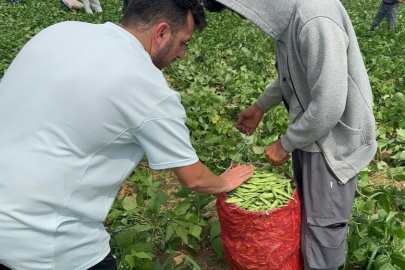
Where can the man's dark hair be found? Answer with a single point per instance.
(213, 6)
(143, 14)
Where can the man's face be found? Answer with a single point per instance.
(176, 47)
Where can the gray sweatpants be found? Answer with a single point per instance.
(389, 10)
(326, 210)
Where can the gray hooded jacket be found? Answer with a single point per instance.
(321, 75)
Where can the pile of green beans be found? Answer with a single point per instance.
(265, 190)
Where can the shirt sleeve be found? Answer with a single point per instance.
(271, 96)
(165, 137)
(323, 45)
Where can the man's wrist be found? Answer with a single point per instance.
(257, 106)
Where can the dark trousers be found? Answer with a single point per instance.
(109, 263)
(124, 6)
(386, 10)
(326, 210)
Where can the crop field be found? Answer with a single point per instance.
(157, 224)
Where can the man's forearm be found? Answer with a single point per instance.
(199, 178)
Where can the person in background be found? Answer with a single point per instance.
(389, 9)
(72, 4)
(82, 104)
(124, 6)
(324, 84)
(94, 3)
(14, 1)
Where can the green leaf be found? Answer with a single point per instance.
(195, 231)
(182, 233)
(398, 259)
(161, 198)
(400, 178)
(381, 260)
(369, 205)
(218, 247)
(142, 228)
(196, 266)
(142, 255)
(215, 230)
(361, 254)
(258, 150)
(169, 232)
(401, 135)
(372, 257)
(384, 203)
(387, 266)
(167, 264)
(377, 232)
(156, 265)
(130, 260)
(182, 208)
(391, 215)
(124, 239)
(399, 232)
(129, 203)
(212, 140)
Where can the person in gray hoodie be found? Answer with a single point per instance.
(323, 82)
(389, 9)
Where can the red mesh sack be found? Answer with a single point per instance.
(267, 240)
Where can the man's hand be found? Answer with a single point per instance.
(249, 119)
(236, 176)
(275, 154)
(199, 178)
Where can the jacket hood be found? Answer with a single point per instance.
(271, 16)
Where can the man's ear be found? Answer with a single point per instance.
(162, 34)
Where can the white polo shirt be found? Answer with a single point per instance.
(79, 107)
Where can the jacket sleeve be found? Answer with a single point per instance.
(323, 45)
(271, 97)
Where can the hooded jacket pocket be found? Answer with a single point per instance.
(343, 141)
(326, 243)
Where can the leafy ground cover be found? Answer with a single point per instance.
(157, 224)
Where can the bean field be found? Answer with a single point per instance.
(155, 223)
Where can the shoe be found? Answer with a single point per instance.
(98, 9)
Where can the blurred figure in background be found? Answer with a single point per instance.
(72, 4)
(389, 9)
(94, 3)
(124, 6)
(14, 1)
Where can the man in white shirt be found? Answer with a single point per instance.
(80, 106)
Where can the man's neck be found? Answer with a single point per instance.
(143, 38)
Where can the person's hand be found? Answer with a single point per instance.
(275, 154)
(236, 176)
(249, 119)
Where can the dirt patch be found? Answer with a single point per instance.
(380, 178)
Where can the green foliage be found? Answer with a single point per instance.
(376, 236)
(143, 225)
